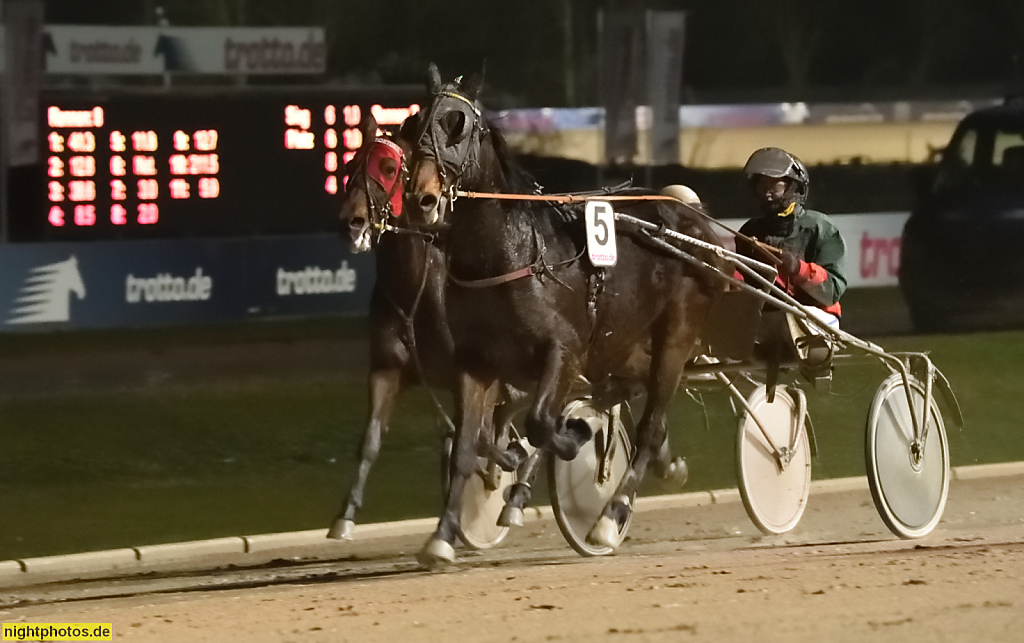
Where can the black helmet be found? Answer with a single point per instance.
(778, 163)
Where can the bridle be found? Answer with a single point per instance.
(368, 169)
(453, 153)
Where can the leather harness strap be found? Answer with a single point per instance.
(564, 198)
(539, 267)
(494, 281)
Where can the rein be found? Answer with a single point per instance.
(583, 198)
(410, 328)
(567, 198)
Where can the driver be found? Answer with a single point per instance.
(809, 249)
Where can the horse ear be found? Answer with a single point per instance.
(407, 132)
(472, 85)
(368, 128)
(433, 79)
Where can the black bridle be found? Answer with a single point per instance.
(453, 152)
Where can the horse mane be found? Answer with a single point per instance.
(519, 180)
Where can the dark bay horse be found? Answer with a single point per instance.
(410, 341)
(526, 306)
(407, 303)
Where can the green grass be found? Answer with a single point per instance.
(169, 337)
(129, 468)
(124, 469)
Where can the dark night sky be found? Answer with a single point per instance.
(737, 50)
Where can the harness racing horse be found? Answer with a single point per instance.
(525, 306)
(410, 342)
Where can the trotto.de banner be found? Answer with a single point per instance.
(192, 50)
(121, 284)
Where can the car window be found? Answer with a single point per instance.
(1008, 150)
(985, 155)
(954, 170)
(964, 152)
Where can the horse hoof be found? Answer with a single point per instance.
(677, 472)
(605, 533)
(579, 431)
(514, 456)
(341, 530)
(566, 444)
(510, 517)
(436, 554)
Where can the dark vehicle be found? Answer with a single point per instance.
(962, 263)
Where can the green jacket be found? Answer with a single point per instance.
(809, 235)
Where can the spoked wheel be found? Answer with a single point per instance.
(580, 488)
(909, 478)
(484, 496)
(774, 464)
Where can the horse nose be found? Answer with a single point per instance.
(428, 202)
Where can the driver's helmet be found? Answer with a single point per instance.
(778, 163)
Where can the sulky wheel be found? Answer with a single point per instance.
(580, 488)
(909, 478)
(481, 505)
(774, 465)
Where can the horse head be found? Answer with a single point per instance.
(73, 277)
(447, 146)
(375, 183)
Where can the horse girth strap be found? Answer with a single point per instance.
(528, 271)
(538, 268)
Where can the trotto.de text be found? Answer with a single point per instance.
(316, 281)
(168, 287)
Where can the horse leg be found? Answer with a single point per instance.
(669, 467)
(497, 460)
(651, 434)
(520, 493)
(509, 459)
(512, 458)
(384, 388)
(552, 389)
(475, 402)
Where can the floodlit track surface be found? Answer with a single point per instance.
(702, 572)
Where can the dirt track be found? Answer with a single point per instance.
(699, 573)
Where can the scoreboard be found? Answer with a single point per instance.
(243, 163)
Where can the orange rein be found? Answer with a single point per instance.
(580, 198)
(567, 198)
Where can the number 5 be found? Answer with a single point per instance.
(599, 222)
(600, 218)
